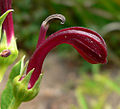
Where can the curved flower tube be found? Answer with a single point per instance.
(88, 43)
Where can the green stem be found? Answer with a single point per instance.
(2, 72)
(14, 104)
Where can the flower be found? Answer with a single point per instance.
(88, 43)
(8, 48)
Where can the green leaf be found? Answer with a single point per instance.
(7, 95)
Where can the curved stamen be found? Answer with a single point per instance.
(45, 26)
(49, 19)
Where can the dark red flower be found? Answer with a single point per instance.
(88, 43)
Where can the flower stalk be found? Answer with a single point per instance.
(14, 104)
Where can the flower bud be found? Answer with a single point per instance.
(8, 52)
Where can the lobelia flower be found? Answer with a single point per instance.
(8, 48)
(88, 43)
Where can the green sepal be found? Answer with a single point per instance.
(26, 80)
(7, 94)
(20, 88)
(2, 18)
(6, 61)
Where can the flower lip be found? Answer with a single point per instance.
(92, 42)
(88, 31)
(90, 54)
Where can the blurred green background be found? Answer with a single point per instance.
(94, 83)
